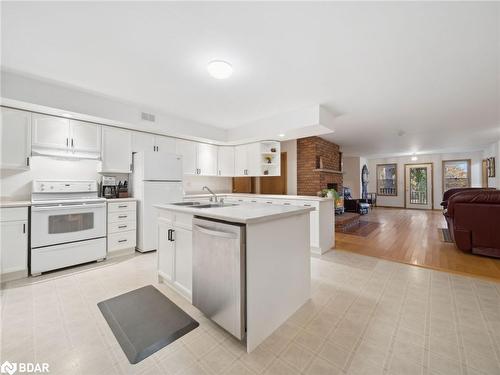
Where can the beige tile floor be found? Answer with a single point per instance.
(366, 316)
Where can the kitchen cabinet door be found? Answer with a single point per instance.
(206, 159)
(165, 144)
(166, 250)
(15, 139)
(188, 151)
(225, 161)
(85, 137)
(14, 246)
(253, 159)
(116, 150)
(49, 132)
(142, 142)
(183, 259)
(240, 160)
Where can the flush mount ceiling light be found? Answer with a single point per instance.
(220, 69)
(414, 157)
(281, 135)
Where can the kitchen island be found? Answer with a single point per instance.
(277, 263)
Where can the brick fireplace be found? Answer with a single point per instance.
(318, 165)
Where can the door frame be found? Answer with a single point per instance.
(432, 186)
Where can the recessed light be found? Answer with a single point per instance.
(220, 69)
(281, 135)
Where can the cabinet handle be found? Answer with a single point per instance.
(307, 205)
(253, 201)
(28, 161)
(122, 240)
(270, 202)
(121, 226)
(286, 204)
(170, 235)
(123, 206)
(122, 216)
(24, 228)
(72, 145)
(67, 142)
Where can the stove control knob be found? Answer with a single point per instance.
(89, 187)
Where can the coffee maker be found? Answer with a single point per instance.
(109, 189)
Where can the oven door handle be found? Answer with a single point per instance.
(68, 207)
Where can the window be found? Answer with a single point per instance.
(387, 179)
(456, 174)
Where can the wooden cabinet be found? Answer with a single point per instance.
(206, 159)
(49, 133)
(59, 136)
(116, 150)
(14, 242)
(175, 251)
(122, 234)
(15, 139)
(225, 161)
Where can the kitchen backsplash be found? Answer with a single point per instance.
(194, 184)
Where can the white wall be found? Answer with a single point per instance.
(17, 184)
(290, 147)
(194, 184)
(436, 159)
(352, 175)
(72, 99)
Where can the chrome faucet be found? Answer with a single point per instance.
(215, 199)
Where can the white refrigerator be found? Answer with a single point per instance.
(156, 179)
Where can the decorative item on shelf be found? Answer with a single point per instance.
(268, 159)
(490, 164)
(266, 172)
(273, 149)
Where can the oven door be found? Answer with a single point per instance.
(56, 224)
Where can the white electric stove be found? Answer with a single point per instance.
(68, 224)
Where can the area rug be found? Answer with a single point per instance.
(363, 229)
(445, 235)
(144, 321)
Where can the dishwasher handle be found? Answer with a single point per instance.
(214, 233)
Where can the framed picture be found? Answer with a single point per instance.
(387, 179)
(490, 164)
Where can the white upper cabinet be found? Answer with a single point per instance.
(206, 159)
(188, 151)
(253, 159)
(49, 132)
(142, 142)
(240, 160)
(149, 142)
(165, 144)
(116, 150)
(85, 137)
(15, 139)
(63, 137)
(225, 161)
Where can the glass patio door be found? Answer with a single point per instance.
(418, 186)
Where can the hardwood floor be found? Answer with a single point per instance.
(412, 237)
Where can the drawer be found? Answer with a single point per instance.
(14, 214)
(121, 206)
(114, 217)
(121, 226)
(122, 240)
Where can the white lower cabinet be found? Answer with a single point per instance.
(175, 251)
(122, 234)
(13, 242)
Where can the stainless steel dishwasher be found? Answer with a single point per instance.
(219, 273)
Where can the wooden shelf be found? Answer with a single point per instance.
(328, 171)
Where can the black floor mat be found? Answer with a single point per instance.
(144, 321)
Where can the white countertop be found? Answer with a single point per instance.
(268, 196)
(246, 213)
(5, 203)
(129, 199)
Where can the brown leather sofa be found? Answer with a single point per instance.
(448, 193)
(473, 218)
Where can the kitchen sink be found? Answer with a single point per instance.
(186, 203)
(214, 205)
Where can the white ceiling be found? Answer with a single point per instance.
(429, 70)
